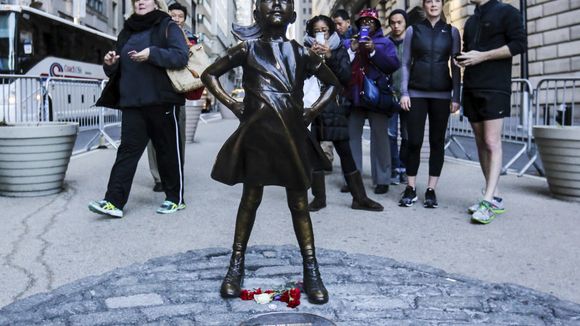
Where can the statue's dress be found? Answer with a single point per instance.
(271, 146)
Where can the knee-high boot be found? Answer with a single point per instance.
(313, 285)
(359, 195)
(319, 192)
(233, 281)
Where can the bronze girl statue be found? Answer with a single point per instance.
(271, 145)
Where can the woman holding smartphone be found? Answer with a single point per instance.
(149, 43)
(373, 55)
(428, 90)
(332, 123)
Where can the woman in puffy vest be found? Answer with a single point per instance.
(428, 90)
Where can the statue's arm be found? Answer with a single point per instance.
(211, 75)
(327, 77)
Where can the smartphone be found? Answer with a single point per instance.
(320, 38)
(364, 34)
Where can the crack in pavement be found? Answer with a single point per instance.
(68, 193)
(17, 245)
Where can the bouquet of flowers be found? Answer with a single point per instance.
(290, 294)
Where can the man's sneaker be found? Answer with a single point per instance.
(395, 178)
(169, 207)
(484, 214)
(409, 197)
(430, 199)
(498, 206)
(403, 178)
(106, 208)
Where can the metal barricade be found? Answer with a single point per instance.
(555, 101)
(516, 127)
(108, 118)
(73, 99)
(22, 99)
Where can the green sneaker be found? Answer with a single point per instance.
(105, 208)
(169, 207)
(484, 214)
(498, 206)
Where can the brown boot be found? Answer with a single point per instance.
(319, 192)
(359, 195)
(232, 283)
(313, 286)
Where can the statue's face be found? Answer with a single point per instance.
(275, 12)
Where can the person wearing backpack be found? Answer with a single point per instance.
(428, 90)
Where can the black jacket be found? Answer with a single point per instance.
(431, 50)
(492, 26)
(332, 123)
(167, 50)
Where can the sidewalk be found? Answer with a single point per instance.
(51, 241)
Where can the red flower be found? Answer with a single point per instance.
(247, 295)
(291, 297)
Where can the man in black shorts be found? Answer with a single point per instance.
(492, 36)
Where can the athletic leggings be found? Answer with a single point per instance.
(347, 164)
(438, 112)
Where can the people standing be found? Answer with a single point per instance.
(332, 124)
(375, 57)
(428, 90)
(149, 43)
(398, 23)
(271, 145)
(178, 14)
(492, 36)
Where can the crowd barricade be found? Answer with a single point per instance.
(108, 118)
(22, 99)
(73, 99)
(516, 127)
(554, 103)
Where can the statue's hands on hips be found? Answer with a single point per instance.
(238, 109)
(309, 116)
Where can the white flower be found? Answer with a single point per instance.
(263, 298)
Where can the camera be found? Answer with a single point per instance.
(364, 34)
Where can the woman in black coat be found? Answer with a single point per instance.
(332, 123)
(149, 43)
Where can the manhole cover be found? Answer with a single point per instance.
(287, 319)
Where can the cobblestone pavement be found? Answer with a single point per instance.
(364, 290)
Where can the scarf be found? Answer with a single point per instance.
(138, 23)
(333, 41)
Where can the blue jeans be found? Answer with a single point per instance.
(396, 162)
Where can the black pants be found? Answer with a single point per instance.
(139, 125)
(346, 161)
(438, 112)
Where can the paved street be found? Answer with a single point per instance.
(52, 241)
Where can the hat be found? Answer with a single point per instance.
(402, 13)
(368, 12)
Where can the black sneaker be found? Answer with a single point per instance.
(409, 197)
(430, 199)
(381, 189)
